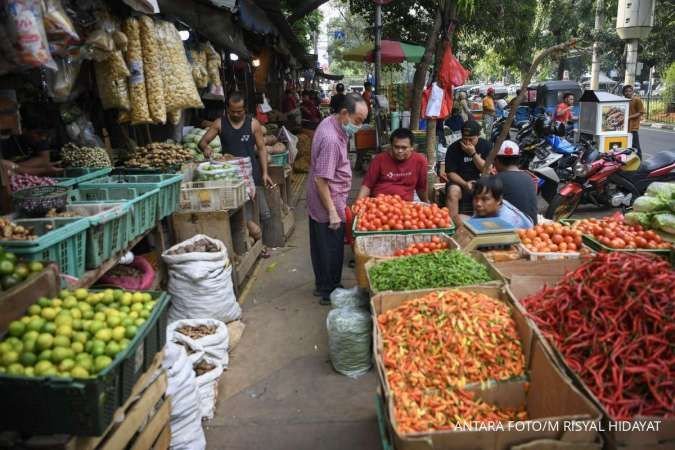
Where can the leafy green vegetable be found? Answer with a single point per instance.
(638, 218)
(664, 191)
(664, 222)
(647, 203)
(433, 270)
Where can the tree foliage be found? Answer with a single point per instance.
(306, 26)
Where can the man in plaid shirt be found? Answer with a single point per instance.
(328, 185)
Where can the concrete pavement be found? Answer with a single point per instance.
(654, 140)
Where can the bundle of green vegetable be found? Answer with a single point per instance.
(191, 141)
(430, 270)
(655, 209)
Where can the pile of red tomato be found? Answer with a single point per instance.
(436, 244)
(552, 237)
(613, 232)
(390, 212)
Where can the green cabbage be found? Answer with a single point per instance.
(665, 191)
(638, 218)
(648, 203)
(664, 222)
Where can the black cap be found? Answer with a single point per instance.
(340, 87)
(471, 128)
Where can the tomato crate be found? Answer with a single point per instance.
(598, 246)
(54, 405)
(447, 231)
(141, 200)
(73, 176)
(107, 232)
(61, 240)
(168, 185)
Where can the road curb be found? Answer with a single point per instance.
(658, 126)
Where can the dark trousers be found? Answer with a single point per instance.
(328, 249)
(636, 143)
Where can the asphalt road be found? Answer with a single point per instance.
(653, 140)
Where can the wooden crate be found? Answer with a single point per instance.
(142, 423)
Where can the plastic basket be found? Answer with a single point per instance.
(73, 176)
(48, 405)
(212, 196)
(168, 185)
(279, 159)
(108, 229)
(142, 202)
(449, 231)
(546, 256)
(64, 244)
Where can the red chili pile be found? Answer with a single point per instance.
(434, 245)
(390, 212)
(613, 320)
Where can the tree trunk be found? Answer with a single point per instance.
(421, 71)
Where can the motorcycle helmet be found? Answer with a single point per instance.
(558, 128)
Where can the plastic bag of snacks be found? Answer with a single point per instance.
(25, 26)
(154, 86)
(180, 91)
(139, 112)
(213, 64)
(111, 80)
(59, 27)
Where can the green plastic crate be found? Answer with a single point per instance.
(64, 244)
(142, 202)
(449, 231)
(168, 185)
(107, 232)
(50, 405)
(73, 176)
(279, 159)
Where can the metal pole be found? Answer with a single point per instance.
(631, 61)
(595, 66)
(378, 50)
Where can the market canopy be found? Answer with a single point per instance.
(393, 52)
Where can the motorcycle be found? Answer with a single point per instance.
(603, 180)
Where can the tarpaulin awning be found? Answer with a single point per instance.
(320, 73)
(393, 52)
(254, 18)
(213, 23)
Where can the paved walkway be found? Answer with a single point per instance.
(281, 391)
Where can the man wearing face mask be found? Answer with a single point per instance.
(328, 185)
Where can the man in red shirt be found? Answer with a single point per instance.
(563, 112)
(400, 170)
(289, 102)
(311, 116)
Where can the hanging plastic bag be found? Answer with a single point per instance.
(445, 103)
(25, 26)
(144, 6)
(355, 297)
(139, 113)
(61, 33)
(60, 83)
(451, 72)
(349, 340)
(111, 80)
(152, 72)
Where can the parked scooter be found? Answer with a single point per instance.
(554, 164)
(605, 179)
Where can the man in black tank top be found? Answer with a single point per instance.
(240, 135)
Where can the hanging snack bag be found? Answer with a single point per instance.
(26, 29)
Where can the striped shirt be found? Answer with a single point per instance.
(330, 161)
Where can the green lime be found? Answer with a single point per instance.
(50, 327)
(6, 267)
(118, 333)
(124, 343)
(28, 372)
(34, 310)
(79, 372)
(77, 347)
(77, 324)
(63, 293)
(130, 331)
(112, 349)
(9, 257)
(97, 348)
(139, 322)
(30, 345)
(64, 330)
(70, 302)
(80, 337)
(66, 365)
(28, 359)
(100, 316)
(5, 347)
(101, 362)
(59, 354)
(57, 302)
(15, 369)
(35, 324)
(42, 367)
(30, 335)
(61, 341)
(36, 266)
(96, 326)
(21, 271)
(48, 313)
(9, 281)
(104, 334)
(44, 302)
(9, 358)
(44, 341)
(17, 328)
(45, 355)
(25, 319)
(76, 314)
(81, 293)
(63, 318)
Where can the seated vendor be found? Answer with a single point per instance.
(488, 201)
(311, 116)
(400, 170)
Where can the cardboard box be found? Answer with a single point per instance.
(523, 286)
(524, 267)
(550, 400)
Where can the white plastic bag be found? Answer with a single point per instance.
(355, 296)
(207, 384)
(435, 101)
(246, 173)
(291, 142)
(200, 283)
(265, 105)
(214, 345)
(349, 340)
(186, 420)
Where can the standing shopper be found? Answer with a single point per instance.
(464, 107)
(489, 112)
(337, 99)
(328, 186)
(635, 111)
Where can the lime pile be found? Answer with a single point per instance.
(13, 272)
(77, 334)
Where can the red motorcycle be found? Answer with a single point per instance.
(603, 180)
